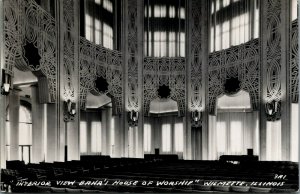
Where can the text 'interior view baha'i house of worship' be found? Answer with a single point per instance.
(161, 96)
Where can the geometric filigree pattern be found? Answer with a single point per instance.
(98, 61)
(294, 63)
(164, 71)
(69, 73)
(133, 51)
(273, 50)
(241, 62)
(26, 23)
(196, 55)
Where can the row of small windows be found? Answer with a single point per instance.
(169, 134)
(232, 22)
(171, 138)
(99, 22)
(164, 25)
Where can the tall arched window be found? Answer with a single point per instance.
(164, 25)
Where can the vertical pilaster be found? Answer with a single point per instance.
(109, 146)
(119, 142)
(133, 49)
(69, 77)
(187, 121)
(104, 137)
(14, 107)
(2, 98)
(204, 73)
(197, 50)
(285, 75)
(37, 112)
(52, 134)
(212, 152)
(89, 119)
(274, 56)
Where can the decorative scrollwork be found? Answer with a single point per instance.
(196, 124)
(196, 55)
(294, 62)
(132, 50)
(97, 61)
(68, 50)
(164, 71)
(241, 62)
(273, 50)
(26, 23)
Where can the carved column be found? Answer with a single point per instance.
(275, 43)
(133, 57)
(285, 74)
(197, 70)
(2, 98)
(69, 77)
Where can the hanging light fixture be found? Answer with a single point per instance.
(196, 120)
(6, 83)
(272, 107)
(70, 107)
(273, 110)
(196, 116)
(133, 117)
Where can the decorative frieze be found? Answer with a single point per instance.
(132, 52)
(28, 25)
(95, 62)
(166, 71)
(242, 62)
(196, 56)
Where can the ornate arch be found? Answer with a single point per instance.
(97, 61)
(26, 26)
(240, 62)
(164, 71)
